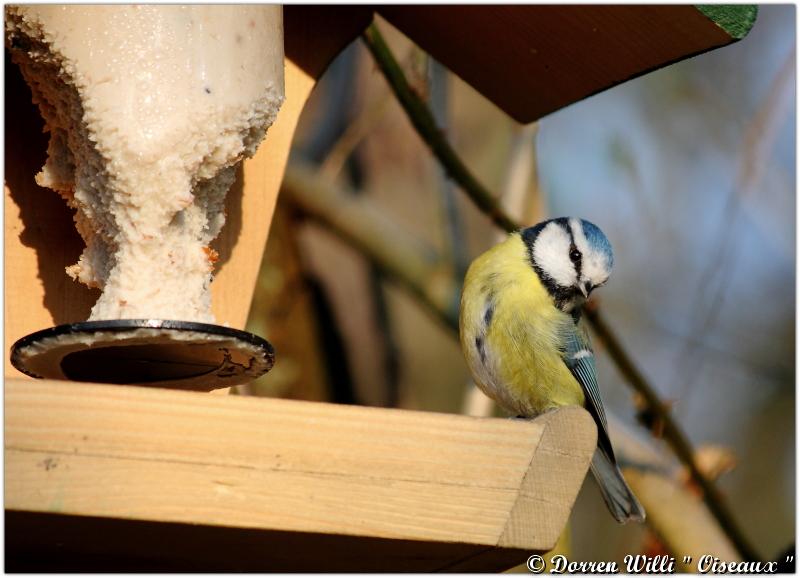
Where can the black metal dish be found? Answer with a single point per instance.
(155, 352)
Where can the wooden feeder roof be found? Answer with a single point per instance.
(530, 60)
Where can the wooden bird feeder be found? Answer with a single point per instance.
(112, 477)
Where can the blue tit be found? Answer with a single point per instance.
(523, 338)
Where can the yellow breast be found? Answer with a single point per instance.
(511, 331)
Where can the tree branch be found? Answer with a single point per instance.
(422, 119)
(672, 432)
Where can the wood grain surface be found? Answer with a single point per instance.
(486, 490)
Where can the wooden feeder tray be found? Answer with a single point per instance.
(110, 477)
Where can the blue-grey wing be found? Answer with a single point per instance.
(579, 358)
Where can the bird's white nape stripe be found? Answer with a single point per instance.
(594, 264)
(550, 250)
(580, 238)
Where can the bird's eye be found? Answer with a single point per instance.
(574, 255)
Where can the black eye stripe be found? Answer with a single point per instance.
(576, 257)
(574, 254)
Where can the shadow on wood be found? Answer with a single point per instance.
(40, 234)
(59, 543)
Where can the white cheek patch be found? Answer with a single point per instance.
(550, 252)
(595, 268)
(594, 265)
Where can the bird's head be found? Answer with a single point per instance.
(571, 256)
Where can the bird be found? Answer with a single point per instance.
(524, 339)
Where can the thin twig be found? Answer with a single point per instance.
(759, 138)
(672, 432)
(438, 89)
(521, 186)
(352, 137)
(421, 118)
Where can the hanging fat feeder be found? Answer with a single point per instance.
(148, 127)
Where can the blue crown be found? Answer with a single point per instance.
(598, 240)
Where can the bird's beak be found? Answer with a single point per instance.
(585, 288)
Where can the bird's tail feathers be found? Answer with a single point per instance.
(619, 498)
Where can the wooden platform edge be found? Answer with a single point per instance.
(554, 460)
(539, 501)
(342, 487)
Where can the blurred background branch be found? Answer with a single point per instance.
(760, 136)
(401, 257)
(335, 146)
(452, 222)
(657, 412)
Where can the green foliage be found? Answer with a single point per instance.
(735, 19)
